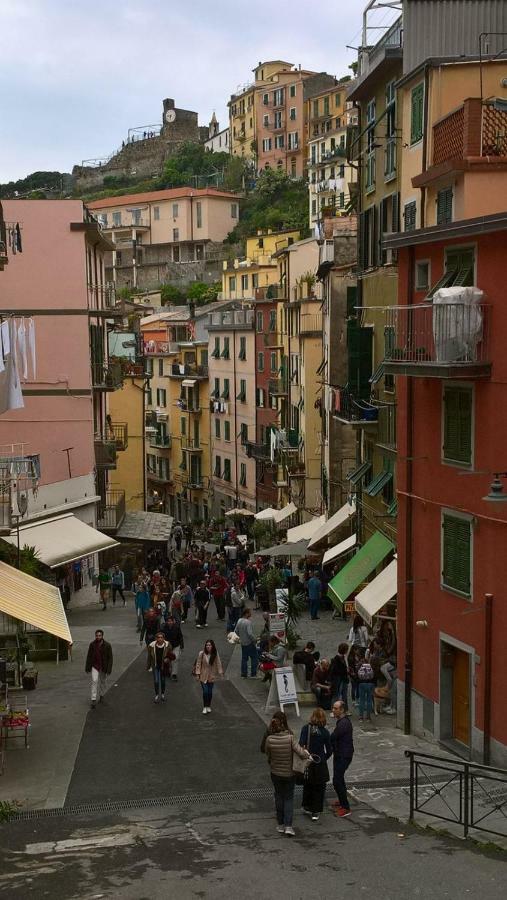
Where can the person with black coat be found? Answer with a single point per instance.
(173, 634)
(99, 661)
(316, 739)
(339, 675)
(342, 743)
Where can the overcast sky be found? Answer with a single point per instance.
(75, 75)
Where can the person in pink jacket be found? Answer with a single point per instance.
(208, 667)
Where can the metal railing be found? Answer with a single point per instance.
(106, 377)
(111, 511)
(105, 453)
(102, 296)
(258, 450)
(466, 794)
(354, 410)
(118, 432)
(438, 334)
(5, 500)
(180, 370)
(160, 440)
(278, 387)
(310, 323)
(159, 348)
(190, 444)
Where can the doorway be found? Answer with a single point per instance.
(455, 696)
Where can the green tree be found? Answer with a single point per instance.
(277, 202)
(169, 293)
(192, 165)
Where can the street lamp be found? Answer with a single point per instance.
(496, 493)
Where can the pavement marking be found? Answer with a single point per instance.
(73, 844)
(195, 834)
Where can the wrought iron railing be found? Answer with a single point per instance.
(438, 333)
(349, 408)
(106, 377)
(465, 794)
(111, 511)
(105, 453)
(5, 500)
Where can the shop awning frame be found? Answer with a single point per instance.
(378, 592)
(378, 483)
(359, 568)
(339, 549)
(306, 530)
(333, 523)
(285, 513)
(359, 473)
(33, 601)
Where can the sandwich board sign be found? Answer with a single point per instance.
(286, 687)
(277, 625)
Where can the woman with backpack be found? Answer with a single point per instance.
(316, 739)
(358, 634)
(366, 680)
(207, 668)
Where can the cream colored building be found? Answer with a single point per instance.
(330, 177)
(253, 274)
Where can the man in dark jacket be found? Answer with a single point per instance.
(339, 675)
(99, 661)
(173, 634)
(343, 750)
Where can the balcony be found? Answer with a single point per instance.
(278, 388)
(160, 441)
(106, 377)
(160, 348)
(105, 453)
(239, 319)
(470, 137)
(118, 432)
(5, 500)
(386, 432)
(311, 323)
(191, 446)
(271, 292)
(179, 370)
(159, 476)
(102, 300)
(436, 340)
(195, 483)
(111, 511)
(258, 450)
(272, 340)
(354, 411)
(378, 61)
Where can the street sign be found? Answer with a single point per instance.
(277, 625)
(349, 607)
(286, 687)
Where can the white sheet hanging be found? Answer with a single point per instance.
(21, 349)
(11, 396)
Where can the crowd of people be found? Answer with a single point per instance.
(180, 590)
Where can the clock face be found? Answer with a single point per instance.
(170, 115)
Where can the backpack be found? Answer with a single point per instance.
(365, 672)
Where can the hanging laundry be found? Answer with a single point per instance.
(31, 347)
(18, 239)
(11, 396)
(21, 350)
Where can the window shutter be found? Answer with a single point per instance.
(359, 345)
(362, 241)
(395, 222)
(351, 300)
(456, 554)
(458, 425)
(416, 123)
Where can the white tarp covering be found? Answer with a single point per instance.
(378, 592)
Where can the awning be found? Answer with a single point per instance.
(265, 515)
(188, 382)
(378, 592)
(33, 601)
(378, 483)
(338, 549)
(297, 548)
(61, 540)
(287, 511)
(232, 513)
(359, 473)
(359, 567)
(337, 519)
(305, 531)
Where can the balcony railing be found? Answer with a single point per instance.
(475, 129)
(106, 377)
(118, 432)
(105, 453)
(5, 500)
(160, 348)
(310, 323)
(386, 433)
(162, 441)
(440, 340)
(102, 297)
(179, 370)
(111, 511)
(159, 475)
(271, 292)
(190, 444)
(352, 410)
(278, 387)
(258, 450)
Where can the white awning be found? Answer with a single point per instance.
(337, 519)
(189, 382)
(305, 531)
(265, 515)
(338, 549)
(378, 592)
(33, 601)
(238, 513)
(282, 514)
(61, 540)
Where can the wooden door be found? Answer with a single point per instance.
(461, 697)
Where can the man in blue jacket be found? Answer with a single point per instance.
(343, 750)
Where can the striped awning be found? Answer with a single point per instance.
(33, 601)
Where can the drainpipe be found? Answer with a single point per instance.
(488, 631)
(409, 580)
(425, 141)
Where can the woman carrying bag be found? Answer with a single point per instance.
(160, 657)
(207, 669)
(316, 739)
(280, 747)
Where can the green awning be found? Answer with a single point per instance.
(360, 472)
(359, 567)
(378, 483)
(378, 373)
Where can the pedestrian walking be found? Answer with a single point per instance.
(159, 661)
(244, 630)
(314, 587)
(208, 667)
(339, 674)
(366, 681)
(103, 584)
(174, 634)
(142, 600)
(99, 661)
(279, 747)
(358, 634)
(202, 598)
(186, 596)
(316, 739)
(218, 586)
(178, 536)
(342, 744)
(118, 584)
(237, 604)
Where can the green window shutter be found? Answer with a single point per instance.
(351, 300)
(458, 425)
(359, 345)
(416, 120)
(456, 554)
(444, 206)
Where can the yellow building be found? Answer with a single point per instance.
(242, 116)
(127, 406)
(250, 276)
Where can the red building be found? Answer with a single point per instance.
(451, 364)
(267, 361)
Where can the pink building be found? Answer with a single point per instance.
(60, 442)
